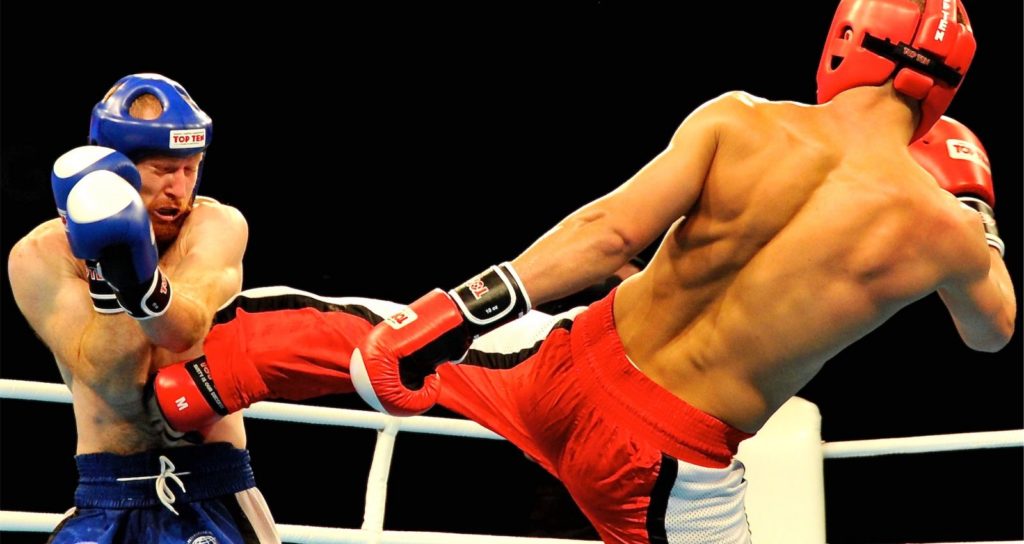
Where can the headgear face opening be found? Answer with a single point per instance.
(926, 54)
(181, 129)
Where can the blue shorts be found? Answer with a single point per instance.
(190, 495)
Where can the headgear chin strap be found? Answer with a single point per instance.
(181, 130)
(926, 54)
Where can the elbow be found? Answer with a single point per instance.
(996, 337)
(181, 343)
(617, 242)
(175, 340)
(606, 235)
(617, 245)
(178, 347)
(183, 326)
(989, 345)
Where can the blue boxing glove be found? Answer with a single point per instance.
(68, 170)
(72, 166)
(108, 222)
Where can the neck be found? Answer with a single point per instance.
(888, 116)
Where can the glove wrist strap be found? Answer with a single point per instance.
(199, 370)
(146, 300)
(988, 219)
(104, 300)
(491, 299)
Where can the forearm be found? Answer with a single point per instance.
(183, 325)
(206, 277)
(579, 252)
(113, 355)
(984, 311)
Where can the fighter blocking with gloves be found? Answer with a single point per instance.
(125, 282)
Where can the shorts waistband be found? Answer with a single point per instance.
(672, 424)
(107, 480)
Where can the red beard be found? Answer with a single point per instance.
(167, 231)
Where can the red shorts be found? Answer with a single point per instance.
(642, 464)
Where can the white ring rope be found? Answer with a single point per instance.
(42, 523)
(924, 444)
(17, 389)
(319, 415)
(279, 411)
(388, 427)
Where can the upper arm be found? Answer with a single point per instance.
(668, 186)
(210, 271)
(53, 299)
(597, 239)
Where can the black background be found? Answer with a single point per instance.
(382, 154)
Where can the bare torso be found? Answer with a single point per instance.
(110, 412)
(801, 242)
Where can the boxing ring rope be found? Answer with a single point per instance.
(41, 523)
(388, 428)
(923, 444)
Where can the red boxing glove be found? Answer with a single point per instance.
(186, 396)
(954, 156)
(393, 369)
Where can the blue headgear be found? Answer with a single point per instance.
(181, 130)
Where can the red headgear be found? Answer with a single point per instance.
(926, 53)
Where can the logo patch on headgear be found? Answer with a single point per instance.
(187, 139)
(940, 32)
(967, 151)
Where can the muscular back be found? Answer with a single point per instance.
(801, 241)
